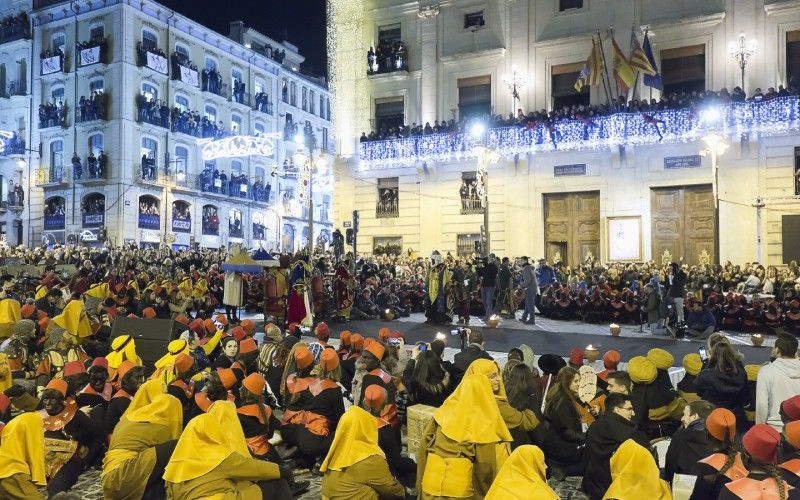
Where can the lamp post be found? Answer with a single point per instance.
(715, 146)
(514, 82)
(741, 50)
(307, 165)
(486, 157)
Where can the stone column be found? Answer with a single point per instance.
(428, 62)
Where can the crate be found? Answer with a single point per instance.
(418, 417)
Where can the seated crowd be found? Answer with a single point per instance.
(586, 113)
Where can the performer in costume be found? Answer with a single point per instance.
(438, 282)
(300, 310)
(344, 294)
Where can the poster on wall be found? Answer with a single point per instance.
(157, 63)
(625, 238)
(51, 65)
(189, 76)
(89, 56)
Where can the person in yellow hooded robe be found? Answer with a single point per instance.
(123, 348)
(635, 475)
(9, 314)
(22, 458)
(211, 460)
(522, 476)
(355, 467)
(73, 319)
(464, 445)
(524, 420)
(141, 446)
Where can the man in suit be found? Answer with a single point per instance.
(473, 351)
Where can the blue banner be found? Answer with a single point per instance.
(689, 161)
(93, 220)
(53, 222)
(182, 225)
(149, 221)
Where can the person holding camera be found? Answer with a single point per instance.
(677, 289)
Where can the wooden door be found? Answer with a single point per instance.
(683, 223)
(572, 226)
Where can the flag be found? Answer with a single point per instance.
(591, 72)
(638, 59)
(623, 73)
(651, 80)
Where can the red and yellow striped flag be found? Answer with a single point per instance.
(623, 73)
(639, 58)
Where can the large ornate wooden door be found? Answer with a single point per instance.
(572, 226)
(683, 223)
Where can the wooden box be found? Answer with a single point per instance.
(418, 417)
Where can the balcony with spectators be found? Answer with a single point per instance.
(15, 27)
(53, 114)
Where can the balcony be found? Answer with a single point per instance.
(91, 52)
(386, 210)
(53, 115)
(91, 170)
(93, 108)
(184, 70)
(14, 88)
(263, 104)
(235, 231)
(242, 98)
(148, 172)
(51, 62)
(471, 205)
(150, 111)
(151, 57)
(388, 59)
(50, 177)
(14, 28)
(185, 122)
(211, 81)
(767, 117)
(12, 146)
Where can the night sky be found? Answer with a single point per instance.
(301, 22)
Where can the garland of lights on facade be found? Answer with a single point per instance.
(621, 129)
(4, 137)
(239, 145)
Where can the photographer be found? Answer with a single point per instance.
(474, 350)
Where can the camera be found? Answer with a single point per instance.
(395, 342)
(461, 331)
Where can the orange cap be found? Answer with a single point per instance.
(255, 383)
(322, 331)
(27, 310)
(238, 333)
(374, 347)
(248, 326)
(149, 312)
(221, 318)
(329, 360)
(344, 338)
(182, 318)
(357, 341)
(303, 357)
(59, 385)
(209, 326)
(721, 422)
(197, 327)
(227, 377)
(792, 433)
(183, 362)
(375, 396)
(247, 345)
(44, 323)
(74, 368)
(124, 368)
(611, 360)
(383, 334)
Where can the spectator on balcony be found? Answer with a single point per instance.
(50, 114)
(262, 102)
(102, 163)
(238, 91)
(77, 167)
(211, 81)
(91, 163)
(15, 26)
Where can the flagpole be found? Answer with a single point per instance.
(636, 81)
(602, 52)
(602, 73)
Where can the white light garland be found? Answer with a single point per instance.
(769, 117)
(4, 136)
(239, 145)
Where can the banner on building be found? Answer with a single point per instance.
(149, 221)
(90, 55)
(157, 63)
(51, 65)
(54, 222)
(93, 220)
(189, 76)
(182, 225)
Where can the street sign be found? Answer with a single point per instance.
(347, 223)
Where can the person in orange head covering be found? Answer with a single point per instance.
(314, 406)
(790, 468)
(344, 344)
(725, 464)
(371, 358)
(211, 460)
(761, 444)
(355, 467)
(220, 386)
(349, 361)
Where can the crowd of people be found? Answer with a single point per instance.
(153, 111)
(52, 114)
(94, 205)
(212, 180)
(263, 103)
(199, 418)
(143, 48)
(54, 207)
(14, 27)
(210, 220)
(14, 145)
(98, 41)
(586, 113)
(93, 107)
(191, 122)
(16, 195)
(178, 59)
(388, 57)
(96, 166)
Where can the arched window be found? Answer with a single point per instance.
(96, 144)
(311, 102)
(211, 113)
(258, 128)
(322, 106)
(181, 217)
(235, 223)
(56, 160)
(236, 167)
(293, 94)
(149, 40)
(149, 91)
(149, 147)
(259, 87)
(149, 212)
(305, 99)
(211, 63)
(59, 41)
(236, 124)
(181, 159)
(57, 94)
(97, 32)
(285, 90)
(181, 49)
(97, 85)
(93, 210)
(182, 102)
(210, 221)
(260, 173)
(236, 76)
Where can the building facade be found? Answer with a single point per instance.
(150, 128)
(612, 188)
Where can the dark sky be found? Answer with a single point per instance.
(301, 22)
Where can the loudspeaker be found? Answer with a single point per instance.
(151, 336)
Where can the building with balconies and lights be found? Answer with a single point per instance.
(630, 183)
(163, 131)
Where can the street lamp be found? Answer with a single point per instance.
(514, 82)
(307, 164)
(740, 51)
(715, 145)
(486, 156)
